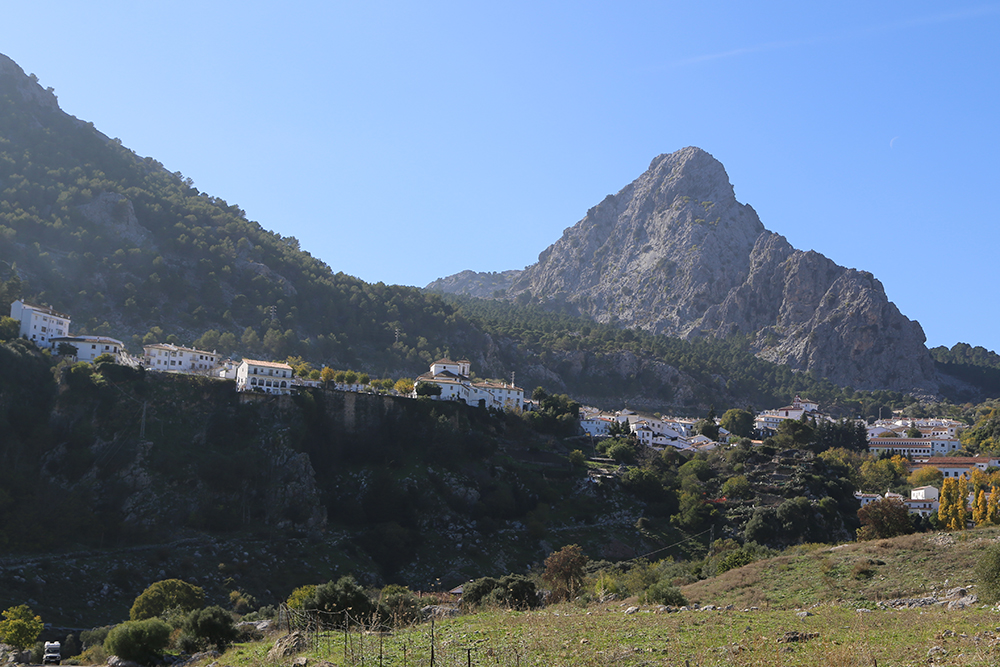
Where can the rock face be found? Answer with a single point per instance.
(675, 253)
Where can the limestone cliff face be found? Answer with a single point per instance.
(674, 253)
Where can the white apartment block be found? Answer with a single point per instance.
(264, 376)
(167, 357)
(39, 324)
(914, 447)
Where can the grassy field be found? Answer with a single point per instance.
(605, 634)
(812, 605)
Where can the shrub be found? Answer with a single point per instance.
(344, 598)
(476, 591)
(212, 625)
(663, 593)
(95, 637)
(988, 574)
(398, 605)
(164, 595)
(139, 641)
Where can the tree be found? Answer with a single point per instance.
(737, 487)
(326, 375)
(428, 389)
(993, 507)
(564, 571)
(403, 386)
(164, 595)
(19, 627)
(951, 507)
(794, 433)
(979, 509)
(139, 641)
(927, 476)
(707, 428)
(886, 517)
(738, 422)
(9, 328)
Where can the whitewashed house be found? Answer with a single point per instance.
(40, 324)
(167, 357)
(269, 377)
(89, 348)
(453, 379)
(923, 501)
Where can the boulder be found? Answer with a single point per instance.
(287, 646)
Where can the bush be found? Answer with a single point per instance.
(514, 591)
(344, 598)
(397, 605)
(94, 637)
(988, 574)
(663, 593)
(211, 625)
(139, 641)
(164, 595)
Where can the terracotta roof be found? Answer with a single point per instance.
(266, 364)
(957, 461)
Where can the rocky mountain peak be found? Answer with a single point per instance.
(674, 252)
(27, 86)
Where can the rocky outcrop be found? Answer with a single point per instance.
(115, 213)
(675, 253)
(473, 283)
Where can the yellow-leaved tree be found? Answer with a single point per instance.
(979, 509)
(993, 507)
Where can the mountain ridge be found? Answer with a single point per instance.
(675, 253)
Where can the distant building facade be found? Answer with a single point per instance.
(453, 379)
(269, 377)
(40, 324)
(167, 357)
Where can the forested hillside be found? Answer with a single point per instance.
(124, 246)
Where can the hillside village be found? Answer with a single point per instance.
(924, 443)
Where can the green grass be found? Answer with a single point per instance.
(601, 635)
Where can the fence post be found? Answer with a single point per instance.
(432, 641)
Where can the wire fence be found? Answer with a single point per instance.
(370, 641)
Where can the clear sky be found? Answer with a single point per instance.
(401, 142)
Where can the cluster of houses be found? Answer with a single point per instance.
(50, 329)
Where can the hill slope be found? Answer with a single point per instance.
(674, 252)
(123, 245)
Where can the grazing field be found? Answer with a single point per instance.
(605, 634)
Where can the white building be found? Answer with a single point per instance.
(453, 379)
(39, 324)
(89, 348)
(167, 357)
(914, 447)
(923, 501)
(266, 376)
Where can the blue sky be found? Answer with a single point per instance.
(403, 142)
